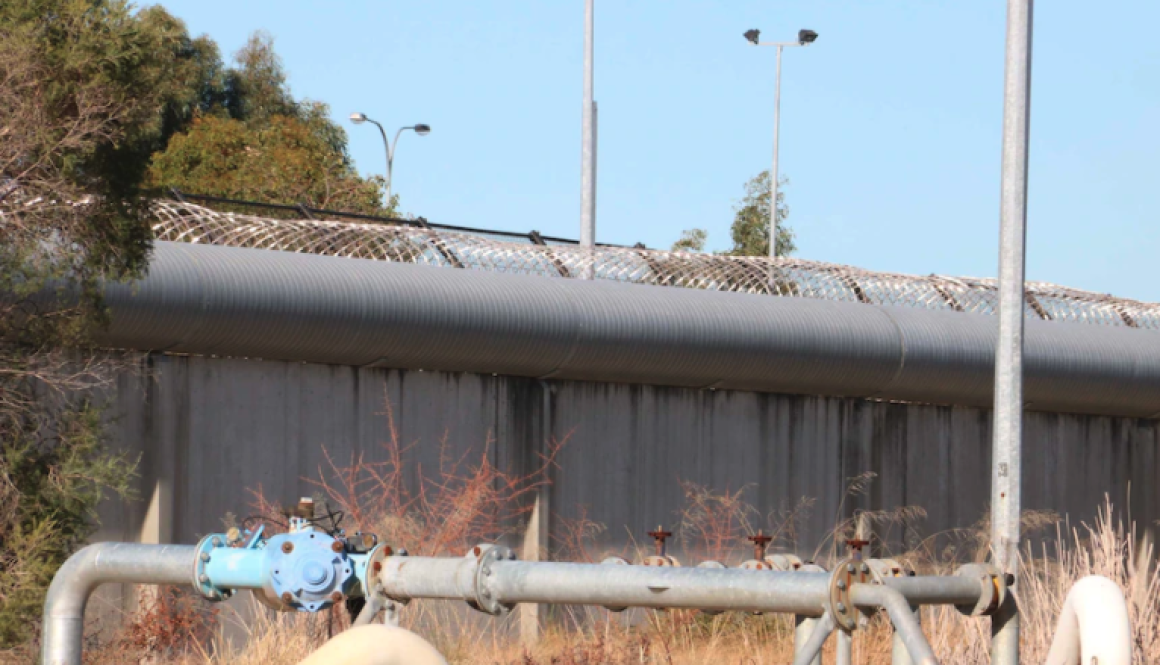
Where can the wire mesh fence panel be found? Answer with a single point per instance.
(783, 276)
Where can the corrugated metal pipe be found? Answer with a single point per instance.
(280, 305)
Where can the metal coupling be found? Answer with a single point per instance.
(993, 591)
(486, 599)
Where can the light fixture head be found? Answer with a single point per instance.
(358, 118)
(807, 36)
(422, 130)
(753, 35)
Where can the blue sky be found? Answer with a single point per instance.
(890, 122)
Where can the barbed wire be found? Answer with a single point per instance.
(785, 276)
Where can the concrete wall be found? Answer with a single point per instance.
(211, 430)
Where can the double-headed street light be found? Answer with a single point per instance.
(805, 38)
(420, 129)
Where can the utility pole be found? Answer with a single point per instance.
(1007, 446)
(588, 147)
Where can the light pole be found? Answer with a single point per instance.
(420, 129)
(805, 38)
(588, 145)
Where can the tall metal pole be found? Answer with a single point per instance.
(391, 161)
(588, 148)
(1008, 414)
(773, 170)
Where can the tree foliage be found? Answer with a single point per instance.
(282, 160)
(691, 240)
(96, 97)
(750, 229)
(252, 140)
(87, 91)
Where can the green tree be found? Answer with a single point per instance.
(691, 240)
(256, 88)
(252, 140)
(283, 160)
(88, 89)
(750, 229)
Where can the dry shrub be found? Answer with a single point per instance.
(170, 620)
(717, 524)
(465, 501)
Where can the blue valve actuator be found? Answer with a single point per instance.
(305, 571)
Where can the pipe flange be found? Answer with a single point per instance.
(661, 561)
(368, 569)
(201, 581)
(712, 565)
(845, 575)
(615, 561)
(485, 600)
(994, 588)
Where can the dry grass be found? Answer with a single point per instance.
(589, 636)
(467, 501)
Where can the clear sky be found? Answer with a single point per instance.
(890, 122)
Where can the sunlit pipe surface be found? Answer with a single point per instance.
(64, 607)
(901, 615)
(513, 582)
(1093, 626)
(811, 651)
(405, 578)
(375, 645)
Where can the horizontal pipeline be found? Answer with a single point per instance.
(280, 305)
(730, 589)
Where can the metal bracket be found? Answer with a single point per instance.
(846, 574)
(485, 598)
(994, 584)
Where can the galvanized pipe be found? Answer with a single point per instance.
(408, 577)
(803, 628)
(930, 590)
(511, 582)
(898, 609)
(898, 653)
(811, 650)
(845, 651)
(83, 572)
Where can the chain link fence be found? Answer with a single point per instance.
(787, 277)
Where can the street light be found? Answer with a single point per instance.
(805, 38)
(420, 129)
